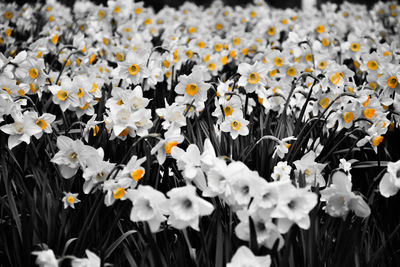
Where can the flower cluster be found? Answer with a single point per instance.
(185, 112)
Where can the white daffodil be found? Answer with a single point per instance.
(148, 206)
(294, 205)
(283, 146)
(45, 258)
(163, 148)
(281, 171)
(266, 231)
(70, 199)
(193, 89)
(134, 98)
(68, 158)
(244, 257)
(242, 184)
(252, 76)
(190, 163)
(311, 169)
(340, 199)
(390, 183)
(185, 207)
(20, 130)
(65, 95)
(173, 115)
(92, 260)
(235, 125)
(96, 172)
(134, 68)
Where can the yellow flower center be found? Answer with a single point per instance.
(117, 9)
(70, 200)
(54, 39)
(291, 71)
(125, 132)
(211, 66)
(272, 73)
(322, 65)
(96, 130)
(228, 110)
(369, 113)
(33, 73)
(377, 140)
(335, 78)
(119, 193)
(120, 56)
(168, 146)
(189, 53)
(72, 156)
(133, 69)
(235, 125)
(325, 42)
(191, 89)
(224, 60)
(355, 47)
(253, 78)
(92, 58)
(41, 123)
(101, 14)
(320, 29)
(348, 117)
(392, 82)
(8, 15)
(308, 57)
(386, 53)
(278, 61)
(372, 65)
(84, 106)
(192, 30)
(80, 93)
(137, 174)
(8, 32)
(324, 102)
(218, 26)
(62, 95)
(218, 47)
(271, 31)
(6, 89)
(236, 41)
(201, 44)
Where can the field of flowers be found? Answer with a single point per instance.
(218, 136)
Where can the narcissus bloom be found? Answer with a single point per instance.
(148, 206)
(70, 199)
(193, 88)
(235, 125)
(340, 199)
(311, 169)
(294, 205)
(252, 76)
(185, 207)
(244, 257)
(45, 258)
(390, 183)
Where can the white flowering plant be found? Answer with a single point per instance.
(199, 136)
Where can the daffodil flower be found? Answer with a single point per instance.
(149, 205)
